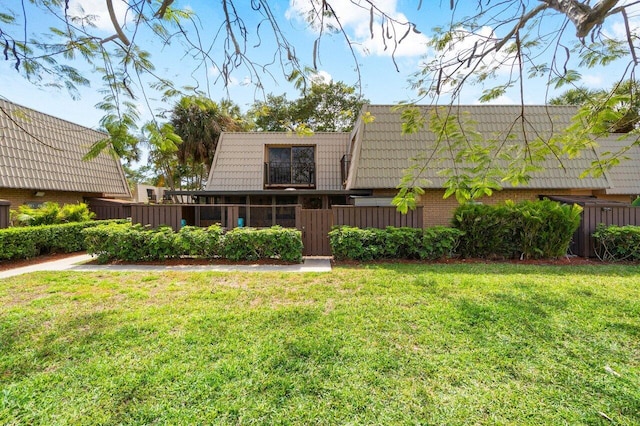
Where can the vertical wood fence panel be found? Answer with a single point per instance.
(109, 209)
(315, 226)
(606, 214)
(595, 212)
(376, 217)
(156, 215)
(4, 213)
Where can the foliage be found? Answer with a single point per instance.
(28, 242)
(623, 99)
(393, 243)
(392, 344)
(324, 107)
(51, 213)
(636, 202)
(198, 122)
(255, 244)
(495, 46)
(530, 230)
(617, 243)
(134, 243)
(201, 242)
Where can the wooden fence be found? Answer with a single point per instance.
(595, 212)
(155, 215)
(4, 213)
(315, 224)
(376, 217)
(109, 209)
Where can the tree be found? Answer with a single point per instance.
(324, 107)
(505, 40)
(183, 149)
(627, 93)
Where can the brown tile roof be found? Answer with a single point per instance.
(381, 153)
(239, 159)
(624, 178)
(38, 151)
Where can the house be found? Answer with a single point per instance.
(148, 193)
(379, 153)
(41, 159)
(262, 179)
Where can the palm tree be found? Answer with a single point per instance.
(199, 122)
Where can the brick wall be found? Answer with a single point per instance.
(18, 197)
(439, 211)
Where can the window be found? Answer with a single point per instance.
(290, 166)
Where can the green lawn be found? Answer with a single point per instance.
(406, 344)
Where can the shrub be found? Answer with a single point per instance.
(636, 202)
(136, 243)
(51, 213)
(530, 229)
(201, 242)
(129, 243)
(349, 242)
(617, 243)
(27, 242)
(272, 243)
(393, 243)
(439, 242)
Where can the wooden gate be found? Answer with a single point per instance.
(315, 226)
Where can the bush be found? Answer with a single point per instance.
(617, 243)
(393, 243)
(636, 202)
(50, 214)
(28, 242)
(530, 229)
(272, 243)
(201, 242)
(134, 243)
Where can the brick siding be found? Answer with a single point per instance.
(17, 197)
(439, 211)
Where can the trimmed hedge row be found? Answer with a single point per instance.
(393, 243)
(28, 242)
(135, 243)
(530, 229)
(617, 243)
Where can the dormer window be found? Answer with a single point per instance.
(290, 166)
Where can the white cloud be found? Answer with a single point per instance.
(98, 9)
(356, 22)
(322, 77)
(591, 80)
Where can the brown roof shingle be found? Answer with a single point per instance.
(238, 162)
(38, 151)
(381, 153)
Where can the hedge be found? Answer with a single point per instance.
(393, 243)
(28, 242)
(530, 229)
(137, 243)
(617, 243)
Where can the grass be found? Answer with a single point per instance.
(403, 344)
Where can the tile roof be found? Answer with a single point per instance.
(380, 152)
(38, 151)
(625, 177)
(238, 162)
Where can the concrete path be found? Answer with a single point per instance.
(78, 263)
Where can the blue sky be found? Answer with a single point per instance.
(381, 83)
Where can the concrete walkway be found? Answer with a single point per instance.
(78, 263)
